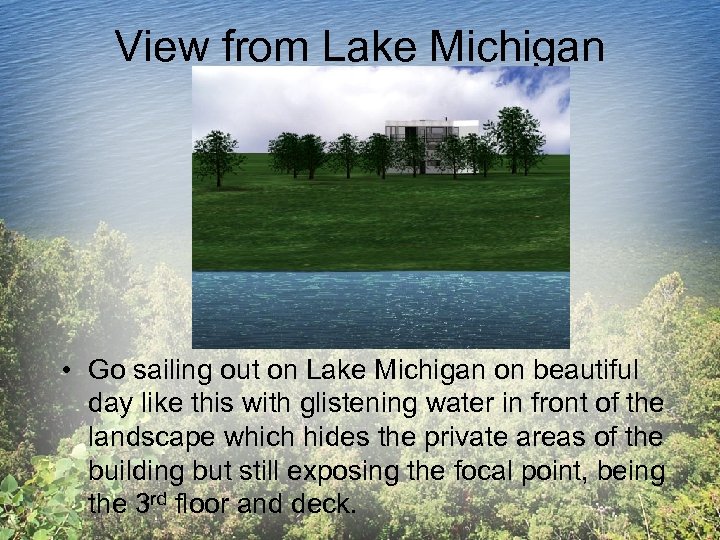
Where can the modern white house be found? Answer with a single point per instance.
(432, 132)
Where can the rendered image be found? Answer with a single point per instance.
(326, 201)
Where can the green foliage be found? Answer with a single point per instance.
(480, 152)
(286, 153)
(17, 461)
(344, 152)
(50, 504)
(451, 153)
(215, 155)
(378, 154)
(411, 153)
(291, 153)
(691, 514)
(72, 297)
(312, 149)
(78, 296)
(683, 339)
(531, 145)
(517, 134)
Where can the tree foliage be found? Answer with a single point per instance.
(480, 152)
(378, 154)
(531, 144)
(286, 153)
(291, 153)
(312, 152)
(411, 153)
(50, 505)
(78, 297)
(452, 154)
(75, 300)
(517, 134)
(215, 155)
(344, 152)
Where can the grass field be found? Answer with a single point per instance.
(261, 220)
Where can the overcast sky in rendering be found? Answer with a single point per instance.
(255, 104)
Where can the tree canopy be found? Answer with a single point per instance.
(517, 134)
(291, 153)
(344, 152)
(412, 153)
(378, 153)
(286, 153)
(515, 138)
(215, 155)
(84, 299)
(451, 153)
(312, 153)
(480, 152)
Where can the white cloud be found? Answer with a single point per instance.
(256, 104)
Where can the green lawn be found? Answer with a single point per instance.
(260, 220)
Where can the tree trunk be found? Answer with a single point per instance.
(217, 171)
(347, 171)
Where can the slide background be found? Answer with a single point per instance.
(90, 137)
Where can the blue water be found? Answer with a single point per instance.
(430, 310)
(89, 137)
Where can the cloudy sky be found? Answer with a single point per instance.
(256, 104)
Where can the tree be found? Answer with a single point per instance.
(411, 153)
(518, 136)
(312, 149)
(480, 152)
(450, 151)
(378, 154)
(286, 153)
(215, 155)
(344, 152)
(531, 145)
(508, 133)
